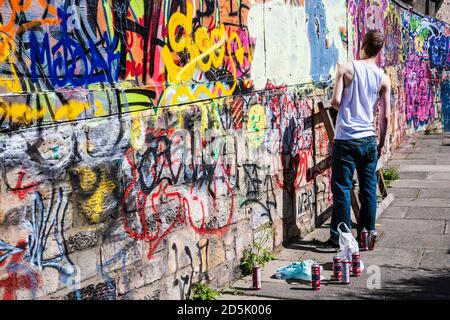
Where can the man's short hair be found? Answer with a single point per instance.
(373, 42)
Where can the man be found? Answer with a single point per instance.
(358, 87)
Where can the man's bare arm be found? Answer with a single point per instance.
(385, 111)
(338, 87)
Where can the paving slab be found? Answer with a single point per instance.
(423, 168)
(408, 283)
(444, 149)
(422, 202)
(413, 175)
(428, 213)
(404, 192)
(383, 256)
(426, 150)
(414, 240)
(401, 155)
(320, 234)
(426, 155)
(438, 176)
(422, 136)
(394, 212)
(411, 226)
(420, 183)
(434, 193)
(442, 160)
(411, 162)
(435, 259)
(429, 142)
(290, 254)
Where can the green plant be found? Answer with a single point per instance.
(258, 254)
(248, 261)
(233, 292)
(413, 143)
(202, 291)
(390, 174)
(427, 131)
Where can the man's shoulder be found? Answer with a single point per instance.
(385, 81)
(346, 66)
(347, 69)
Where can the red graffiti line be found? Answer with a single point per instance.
(203, 230)
(141, 203)
(22, 191)
(183, 204)
(16, 279)
(236, 112)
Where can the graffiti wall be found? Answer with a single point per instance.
(416, 57)
(144, 144)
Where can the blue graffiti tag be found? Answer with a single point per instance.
(439, 51)
(323, 56)
(42, 227)
(7, 250)
(445, 98)
(70, 63)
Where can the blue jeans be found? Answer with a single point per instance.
(348, 155)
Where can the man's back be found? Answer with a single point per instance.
(357, 88)
(361, 92)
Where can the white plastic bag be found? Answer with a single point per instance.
(297, 270)
(347, 244)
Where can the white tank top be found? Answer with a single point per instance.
(356, 110)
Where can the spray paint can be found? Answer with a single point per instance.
(337, 268)
(345, 271)
(315, 276)
(356, 264)
(373, 236)
(256, 277)
(364, 244)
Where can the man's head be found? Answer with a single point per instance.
(372, 43)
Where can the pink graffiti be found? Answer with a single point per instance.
(419, 96)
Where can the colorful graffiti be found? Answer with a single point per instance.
(144, 144)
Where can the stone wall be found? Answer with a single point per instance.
(444, 11)
(144, 144)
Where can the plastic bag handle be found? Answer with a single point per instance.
(346, 227)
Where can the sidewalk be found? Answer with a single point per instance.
(413, 251)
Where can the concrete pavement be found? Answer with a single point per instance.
(412, 257)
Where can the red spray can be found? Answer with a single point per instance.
(337, 268)
(256, 277)
(373, 235)
(315, 276)
(356, 264)
(364, 245)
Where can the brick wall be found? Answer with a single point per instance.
(444, 12)
(145, 144)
